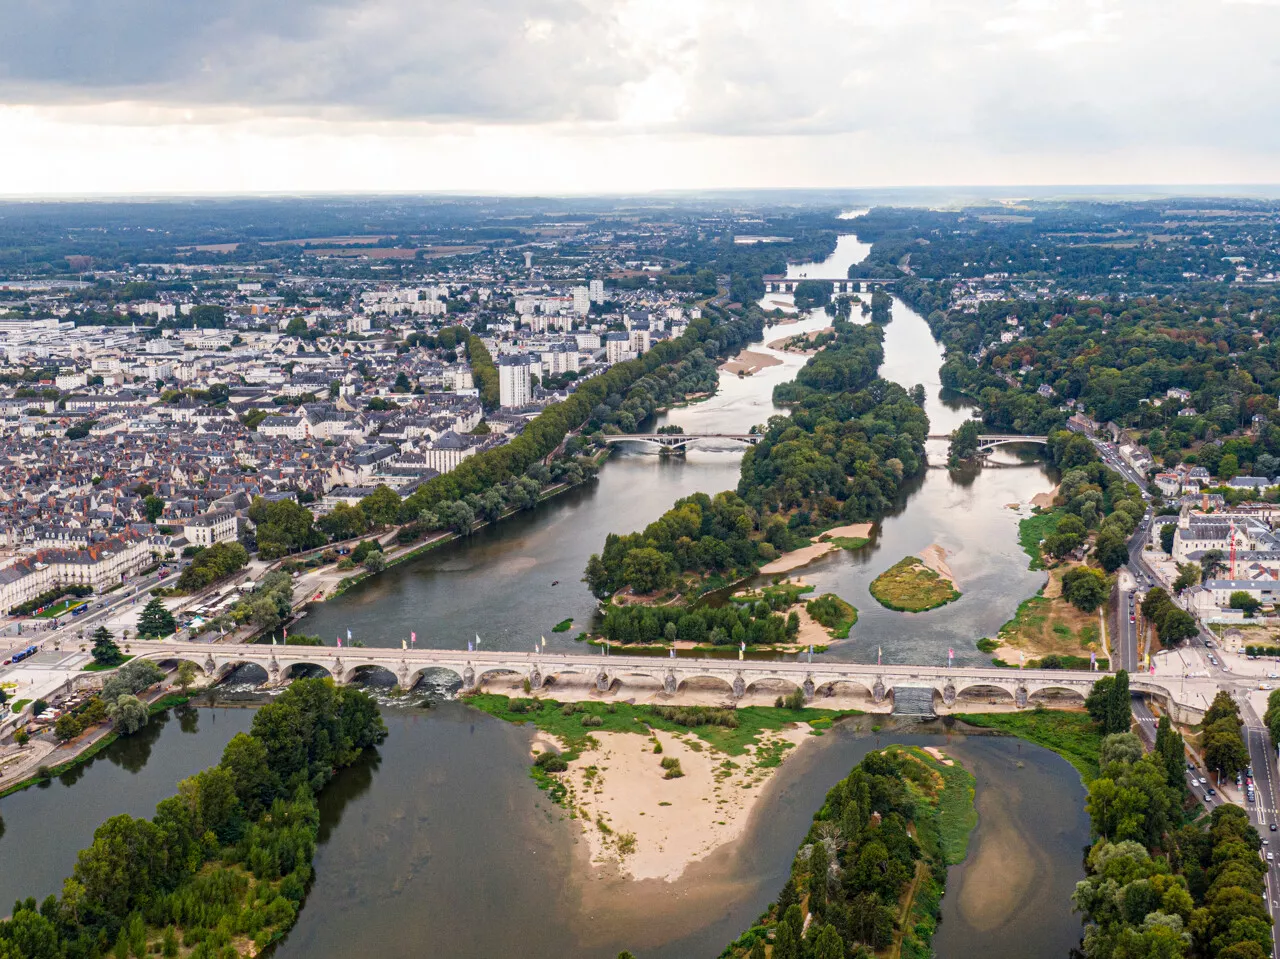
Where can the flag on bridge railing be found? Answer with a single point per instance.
(348, 634)
(1093, 660)
(413, 638)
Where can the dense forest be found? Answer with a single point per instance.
(872, 868)
(227, 859)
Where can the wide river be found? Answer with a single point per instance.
(441, 843)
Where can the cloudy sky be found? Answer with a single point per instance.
(519, 96)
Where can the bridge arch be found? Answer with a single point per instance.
(705, 681)
(300, 670)
(371, 674)
(1050, 692)
(845, 687)
(783, 685)
(447, 674)
(992, 692)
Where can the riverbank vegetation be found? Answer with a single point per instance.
(832, 613)
(841, 457)
(222, 867)
(870, 874)
(1076, 737)
(910, 586)
(731, 731)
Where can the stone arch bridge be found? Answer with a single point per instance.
(611, 673)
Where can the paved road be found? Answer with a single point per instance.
(1265, 810)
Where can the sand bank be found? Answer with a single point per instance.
(748, 362)
(650, 827)
(935, 557)
(796, 558)
(1045, 500)
(781, 344)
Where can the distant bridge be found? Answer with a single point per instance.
(625, 674)
(683, 440)
(777, 283)
(989, 441)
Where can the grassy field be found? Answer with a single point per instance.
(92, 667)
(1035, 528)
(551, 717)
(850, 542)
(60, 607)
(833, 614)
(910, 586)
(1047, 624)
(1073, 736)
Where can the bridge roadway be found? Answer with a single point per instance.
(681, 439)
(989, 441)
(611, 672)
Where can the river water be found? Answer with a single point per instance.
(441, 843)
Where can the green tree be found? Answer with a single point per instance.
(156, 621)
(105, 650)
(344, 522)
(1166, 537)
(154, 506)
(1245, 601)
(1111, 550)
(375, 561)
(402, 383)
(128, 714)
(646, 570)
(381, 506)
(186, 676)
(828, 944)
(1172, 751)
(964, 441)
(1098, 702)
(1085, 588)
(1188, 576)
(1119, 705)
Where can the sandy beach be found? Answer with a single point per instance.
(807, 554)
(649, 827)
(748, 362)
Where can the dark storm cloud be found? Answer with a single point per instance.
(486, 60)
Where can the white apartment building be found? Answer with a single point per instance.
(617, 347)
(581, 300)
(515, 386)
(595, 289)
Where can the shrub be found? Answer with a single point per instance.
(551, 762)
(592, 720)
